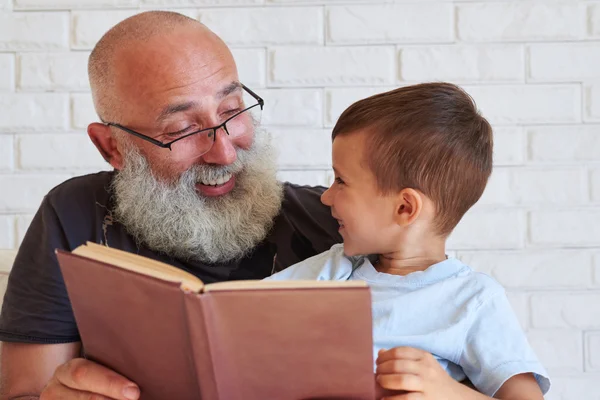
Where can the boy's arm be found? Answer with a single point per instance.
(419, 375)
(496, 349)
(522, 386)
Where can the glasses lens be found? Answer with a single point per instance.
(239, 129)
(193, 146)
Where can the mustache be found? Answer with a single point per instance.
(212, 172)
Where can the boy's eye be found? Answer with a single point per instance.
(339, 181)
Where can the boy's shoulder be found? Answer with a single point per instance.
(481, 286)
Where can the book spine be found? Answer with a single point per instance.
(199, 343)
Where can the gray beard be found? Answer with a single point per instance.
(173, 218)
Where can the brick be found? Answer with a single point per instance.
(511, 104)
(564, 143)
(489, 229)
(6, 152)
(534, 269)
(303, 148)
(509, 146)
(576, 227)
(559, 351)
(563, 62)
(22, 224)
(251, 64)
(529, 186)
(497, 191)
(266, 26)
(27, 190)
(520, 21)
(184, 3)
(406, 23)
(34, 31)
(57, 151)
(592, 352)
(54, 71)
(3, 283)
(594, 20)
(337, 100)
(581, 387)
(566, 310)
(6, 260)
(592, 102)
(312, 178)
(71, 4)
(326, 66)
(595, 184)
(7, 72)
(499, 63)
(520, 305)
(293, 107)
(82, 111)
(89, 26)
(597, 269)
(32, 112)
(7, 232)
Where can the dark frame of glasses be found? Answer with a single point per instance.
(260, 102)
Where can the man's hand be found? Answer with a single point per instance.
(417, 373)
(78, 379)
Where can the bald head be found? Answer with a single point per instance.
(117, 49)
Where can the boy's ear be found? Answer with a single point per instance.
(408, 207)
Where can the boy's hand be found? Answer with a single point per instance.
(418, 373)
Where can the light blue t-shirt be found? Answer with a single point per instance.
(461, 316)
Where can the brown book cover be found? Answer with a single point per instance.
(243, 340)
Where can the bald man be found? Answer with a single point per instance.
(193, 185)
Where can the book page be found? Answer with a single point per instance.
(140, 264)
(266, 285)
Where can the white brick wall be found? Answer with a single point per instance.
(466, 63)
(592, 102)
(410, 23)
(521, 21)
(531, 65)
(53, 71)
(7, 72)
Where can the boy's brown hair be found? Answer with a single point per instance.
(429, 137)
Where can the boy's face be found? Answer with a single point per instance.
(366, 217)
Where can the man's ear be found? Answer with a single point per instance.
(408, 206)
(106, 144)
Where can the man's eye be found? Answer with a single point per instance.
(231, 112)
(176, 134)
(339, 181)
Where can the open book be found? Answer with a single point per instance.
(179, 339)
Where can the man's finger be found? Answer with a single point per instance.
(57, 391)
(399, 367)
(407, 382)
(87, 376)
(408, 353)
(405, 396)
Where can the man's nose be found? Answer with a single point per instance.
(222, 152)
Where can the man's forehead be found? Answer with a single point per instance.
(160, 72)
(182, 106)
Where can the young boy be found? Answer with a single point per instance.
(408, 164)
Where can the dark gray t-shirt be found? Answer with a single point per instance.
(36, 307)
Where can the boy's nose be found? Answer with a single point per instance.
(326, 197)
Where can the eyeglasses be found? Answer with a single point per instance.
(196, 144)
